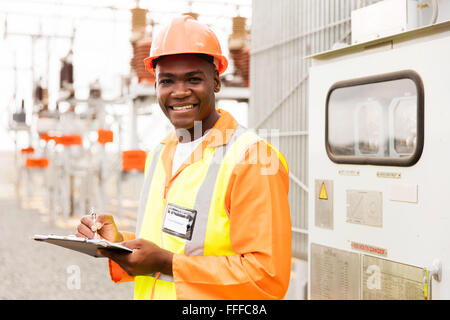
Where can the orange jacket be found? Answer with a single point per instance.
(260, 232)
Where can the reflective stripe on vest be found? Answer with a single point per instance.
(207, 182)
(205, 195)
(146, 187)
(144, 194)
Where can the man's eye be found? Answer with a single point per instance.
(195, 80)
(165, 81)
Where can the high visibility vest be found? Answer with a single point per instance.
(202, 187)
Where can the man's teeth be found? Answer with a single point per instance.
(190, 106)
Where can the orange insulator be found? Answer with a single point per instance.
(27, 150)
(241, 58)
(104, 136)
(36, 163)
(133, 160)
(141, 49)
(44, 136)
(69, 140)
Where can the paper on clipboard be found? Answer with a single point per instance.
(83, 245)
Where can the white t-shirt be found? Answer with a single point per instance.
(183, 151)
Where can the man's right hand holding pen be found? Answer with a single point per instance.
(104, 226)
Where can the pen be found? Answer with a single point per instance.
(94, 217)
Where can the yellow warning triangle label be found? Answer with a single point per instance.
(323, 192)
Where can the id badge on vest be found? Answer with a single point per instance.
(179, 221)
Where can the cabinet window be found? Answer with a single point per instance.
(376, 120)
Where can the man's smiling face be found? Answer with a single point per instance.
(185, 87)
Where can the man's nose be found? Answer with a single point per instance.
(180, 90)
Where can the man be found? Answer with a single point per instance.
(214, 219)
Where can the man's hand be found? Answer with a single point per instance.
(145, 259)
(104, 225)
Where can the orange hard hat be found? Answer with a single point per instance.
(184, 34)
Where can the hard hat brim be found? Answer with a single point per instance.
(222, 61)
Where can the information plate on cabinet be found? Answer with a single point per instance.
(335, 274)
(365, 207)
(389, 280)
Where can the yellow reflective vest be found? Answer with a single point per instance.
(199, 189)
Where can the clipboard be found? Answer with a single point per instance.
(83, 245)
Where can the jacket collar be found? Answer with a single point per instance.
(220, 134)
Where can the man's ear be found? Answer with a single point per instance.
(217, 83)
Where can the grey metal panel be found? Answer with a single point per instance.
(283, 33)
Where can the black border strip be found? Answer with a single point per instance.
(403, 161)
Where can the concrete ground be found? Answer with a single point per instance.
(37, 270)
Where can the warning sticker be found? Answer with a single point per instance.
(369, 249)
(323, 192)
